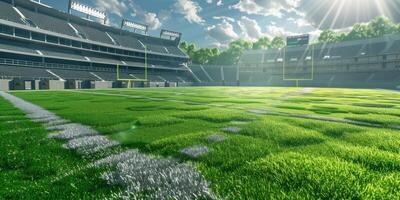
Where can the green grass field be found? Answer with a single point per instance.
(285, 148)
(35, 167)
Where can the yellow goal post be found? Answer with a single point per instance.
(130, 81)
(312, 67)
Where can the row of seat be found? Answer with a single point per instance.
(388, 77)
(40, 50)
(10, 71)
(362, 48)
(85, 31)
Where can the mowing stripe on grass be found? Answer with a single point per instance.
(143, 176)
(254, 111)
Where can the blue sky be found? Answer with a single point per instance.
(210, 23)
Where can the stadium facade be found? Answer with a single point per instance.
(368, 63)
(43, 48)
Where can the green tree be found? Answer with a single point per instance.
(184, 46)
(380, 26)
(278, 42)
(359, 31)
(215, 54)
(241, 44)
(205, 55)
(329, 36)
(262, 43)
(188, 48)
(191, 49)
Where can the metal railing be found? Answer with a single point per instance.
(25, 63)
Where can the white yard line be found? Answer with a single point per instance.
(159, 178)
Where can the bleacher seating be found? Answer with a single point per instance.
(8, 13)
(345, 51)
(104, 60)
(16, 47)
(214, 72)
(62, 54)
(93, 34)
(31, 73)
(272, 56)
(251, 57)
(370, 63)
(230, 74)
(69, 47)
(175, 51)
(127, 41)
(47, 22)
(9, 71)
(196, 69)
(74, 74)
(394, 48)
(375, 48)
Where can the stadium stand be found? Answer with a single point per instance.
(47, 22)
(128, 41)
(369, 63)
(8, 13)
(10, 72)
(38, 42)
(93, 34)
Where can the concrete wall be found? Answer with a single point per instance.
(172, 84)
(29, 85)
(157, 84)
(36, 84)
(103, 84)
(73, 84)
(56, 85)
(4, 85)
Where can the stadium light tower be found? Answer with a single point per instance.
(172, 35)
(89, 11)
(135, 26)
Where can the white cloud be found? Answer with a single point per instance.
(164, 15)
(218, 2)
(267, 7)
(222, 32)
(224, 18)
(314, 35)
(114, 6)
(148, 18)
(219, 45)
(274, 31)
(152, 21)
(190, 10)
(122, 7)
(300, 22)
(250, 29)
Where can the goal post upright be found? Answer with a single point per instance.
(145, 63)
(129, 81)
(297, 80)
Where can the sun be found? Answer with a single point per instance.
(343, 13)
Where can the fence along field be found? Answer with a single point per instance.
(257, 154)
